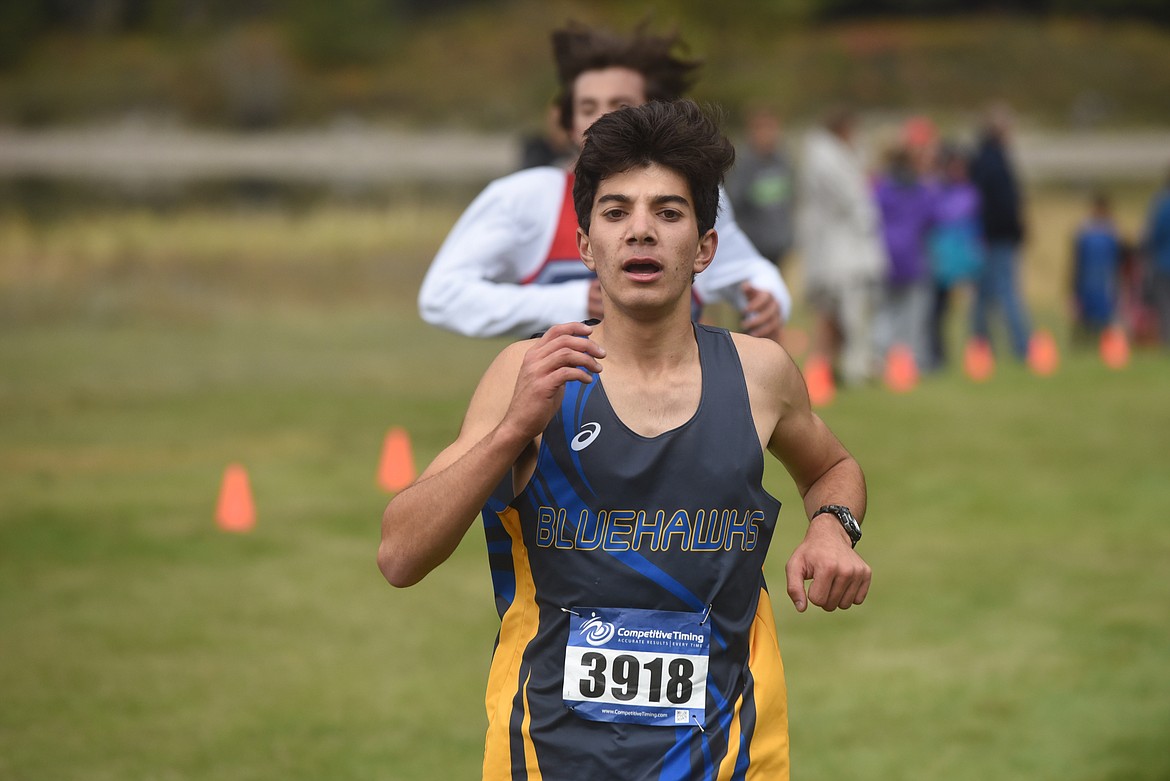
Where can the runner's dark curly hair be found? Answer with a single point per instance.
(679, 135)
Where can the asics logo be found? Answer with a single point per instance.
(585, 436)
(596, 631)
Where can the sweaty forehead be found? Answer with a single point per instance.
(652, 182)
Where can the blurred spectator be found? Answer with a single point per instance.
(920, 138)
(955, 243)
(840, 236)
(1157, 246)
(761, 186)
(551, 146)
(906, 204)
(1003, 231)
(1135, 304)
(1097, 256)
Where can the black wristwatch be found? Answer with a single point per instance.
(848, 522)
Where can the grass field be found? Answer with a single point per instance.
(1018, 626)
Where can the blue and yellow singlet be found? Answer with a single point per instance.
(637, 639)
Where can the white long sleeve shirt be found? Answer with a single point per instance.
(839, 226)
(477, 284)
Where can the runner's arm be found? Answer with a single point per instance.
(473, 284)
(518, 395)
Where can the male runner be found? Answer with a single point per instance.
(637, 639)
(509, 265)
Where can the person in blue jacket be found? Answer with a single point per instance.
(1002, 220)
(1097, 256)
(1157, 246)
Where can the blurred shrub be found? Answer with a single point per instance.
(253, 75)
(485, 63)
(343, 32)
(19, 25)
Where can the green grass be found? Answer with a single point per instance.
(1017, 628)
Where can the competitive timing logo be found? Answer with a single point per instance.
(585, 437)
(596, 631)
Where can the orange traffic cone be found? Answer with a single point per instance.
(978, 360)
(818, 378)
(1114, 347)
(235, 511)
(901, 373)
(396, 468)
(1043, 357)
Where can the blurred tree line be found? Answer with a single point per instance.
(1154, 10)
(332, 32)
(338, 32)
(266, 63)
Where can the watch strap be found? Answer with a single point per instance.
(845, 516)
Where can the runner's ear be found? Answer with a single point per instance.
(585, 249)
(705, 252)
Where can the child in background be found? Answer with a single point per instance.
(1097, 256)
(955, 243)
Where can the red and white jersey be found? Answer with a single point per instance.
(509, 266)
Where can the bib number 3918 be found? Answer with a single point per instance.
(637, 666)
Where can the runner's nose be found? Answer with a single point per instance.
(640, 229)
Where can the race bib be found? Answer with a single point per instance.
(637, 666)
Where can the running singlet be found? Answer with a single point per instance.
(563, 262)
(636, 637)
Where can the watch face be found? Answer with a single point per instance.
(850, 524)
(852, 527)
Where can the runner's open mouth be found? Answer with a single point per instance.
(642, 267)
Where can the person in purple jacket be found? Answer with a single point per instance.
(906, 203)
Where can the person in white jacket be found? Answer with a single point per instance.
(510, 267)
(839, 232)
